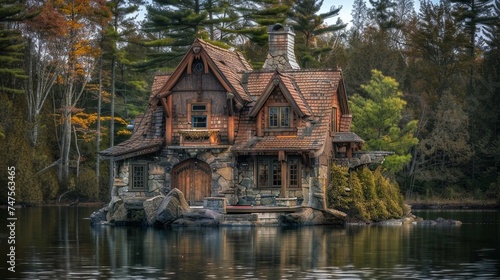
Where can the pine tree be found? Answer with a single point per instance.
(359, 20)
(173, 25)
(379, 120)
(307, 22)
(336, 193)
(11, 47)
(474, 14)
(383, 13)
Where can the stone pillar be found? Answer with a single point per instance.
(217, 204)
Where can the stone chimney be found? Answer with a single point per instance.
(281, 54)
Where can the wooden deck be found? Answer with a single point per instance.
(260, 209)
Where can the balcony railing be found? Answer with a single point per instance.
(361, 158)
(193, 137)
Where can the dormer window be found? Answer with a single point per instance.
(279, 117)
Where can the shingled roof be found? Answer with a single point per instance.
(290, 90)
(227, 65)
(310, 92)
(147, 137)
(314, 88)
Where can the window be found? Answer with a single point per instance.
(263, 173)
(199, 121)
(279, 117)
(138, 177)
(198, 114)
(333, 125)
(269, 172)
(293, 173)
(198, 107)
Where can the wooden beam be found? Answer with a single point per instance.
(189, 67)
(165, 106)
(284, 181)
(168, 121)
(259, 124)
(230, 130)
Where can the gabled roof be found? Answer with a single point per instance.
(158, 82)
(147, 137)
(227, 66)
(289, 89)
(311, 93)
(318, 88)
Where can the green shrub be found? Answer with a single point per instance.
(336, 194)
(371, 195)
(86, 185)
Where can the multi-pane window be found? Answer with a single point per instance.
(279, 117)
(276, 173)
(293, 172)
(199, 121)
(263, 172)
(199, 117)
(139, 176)
(269, 172)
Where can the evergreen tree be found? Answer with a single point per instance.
(173, 25)
(359, 205)
(307, 22)
(474, 14)
(441, 155)
(383, 12)
(337, 197)
(379, 120)
(359, 20)
(254, 16)
(11, 47)
(485, 117)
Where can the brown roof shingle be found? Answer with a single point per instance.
(146, 138)
(316, 89)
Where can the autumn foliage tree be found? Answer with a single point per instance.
(79, 53)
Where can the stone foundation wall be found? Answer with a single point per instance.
(231, 180)
(155, 185)
(250, 194)
(221, 163)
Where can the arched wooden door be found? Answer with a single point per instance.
(194, 179)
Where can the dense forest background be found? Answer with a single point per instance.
(425, 84)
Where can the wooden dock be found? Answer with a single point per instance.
(260, 209)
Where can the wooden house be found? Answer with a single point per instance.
(215, 127)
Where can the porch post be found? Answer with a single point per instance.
(284, 174)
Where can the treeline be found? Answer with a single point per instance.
(74, 73)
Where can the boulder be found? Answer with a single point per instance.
(99, 216)
(171, 208)
(198, 217)
(449, 222)
(310, 216)
(440, 221)
(117, 212)
(150, 208)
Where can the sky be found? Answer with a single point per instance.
(345, 12)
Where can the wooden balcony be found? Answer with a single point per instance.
(196, 137)
(361, 158)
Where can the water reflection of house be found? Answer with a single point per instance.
(217, 128)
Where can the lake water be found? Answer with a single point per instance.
(59, 243)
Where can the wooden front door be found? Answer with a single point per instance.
(194, 179)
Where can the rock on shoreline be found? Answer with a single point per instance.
(414, 220)
(173, 210)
